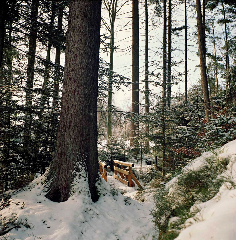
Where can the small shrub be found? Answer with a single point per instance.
(153, 176)
(170, 235)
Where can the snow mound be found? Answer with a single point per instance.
(217, 217)
(113, 217)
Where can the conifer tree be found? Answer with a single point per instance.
(147, 104)
(201, 43)
(30, 73)
(135, 72)
(76, 153)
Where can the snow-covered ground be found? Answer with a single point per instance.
(118, 214)
(216, 219)
(115, 216)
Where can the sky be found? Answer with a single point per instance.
(123, 54)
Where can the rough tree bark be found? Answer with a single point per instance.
(76, 153)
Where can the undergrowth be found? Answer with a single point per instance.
(173, 205)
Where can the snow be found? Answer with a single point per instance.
(216, 219)
(118, 214)
(114, 216)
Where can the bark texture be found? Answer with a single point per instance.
(77, 134)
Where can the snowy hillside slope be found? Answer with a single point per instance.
(216, 218)
(113, 217)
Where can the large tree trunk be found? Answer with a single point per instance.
(30, 73)
(135, 73)
(201, 42)
(147, 104)
(76, 154)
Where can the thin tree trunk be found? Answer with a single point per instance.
(45, 91)
(186, 51)
(2, 36)
(113, 12)
(8, 96)
(76, 154)
(135, 73)
(215, 60)
(57, 74)
(226, 51)
(30, 73)
(109, 113)
(201, 43)
(169, 56)
(147, 104)
(204, 25)
(164, 91)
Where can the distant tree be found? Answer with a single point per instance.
(201, 43)
(186, 51)
(45, 88)
(164, 89)
(147, 104)
(30, 73)
(226, 49)
(57, 70)
(2, 32)
(169, 53)
(135, 72)
(111, 7)
(77, 135)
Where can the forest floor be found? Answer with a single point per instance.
(122, 213)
